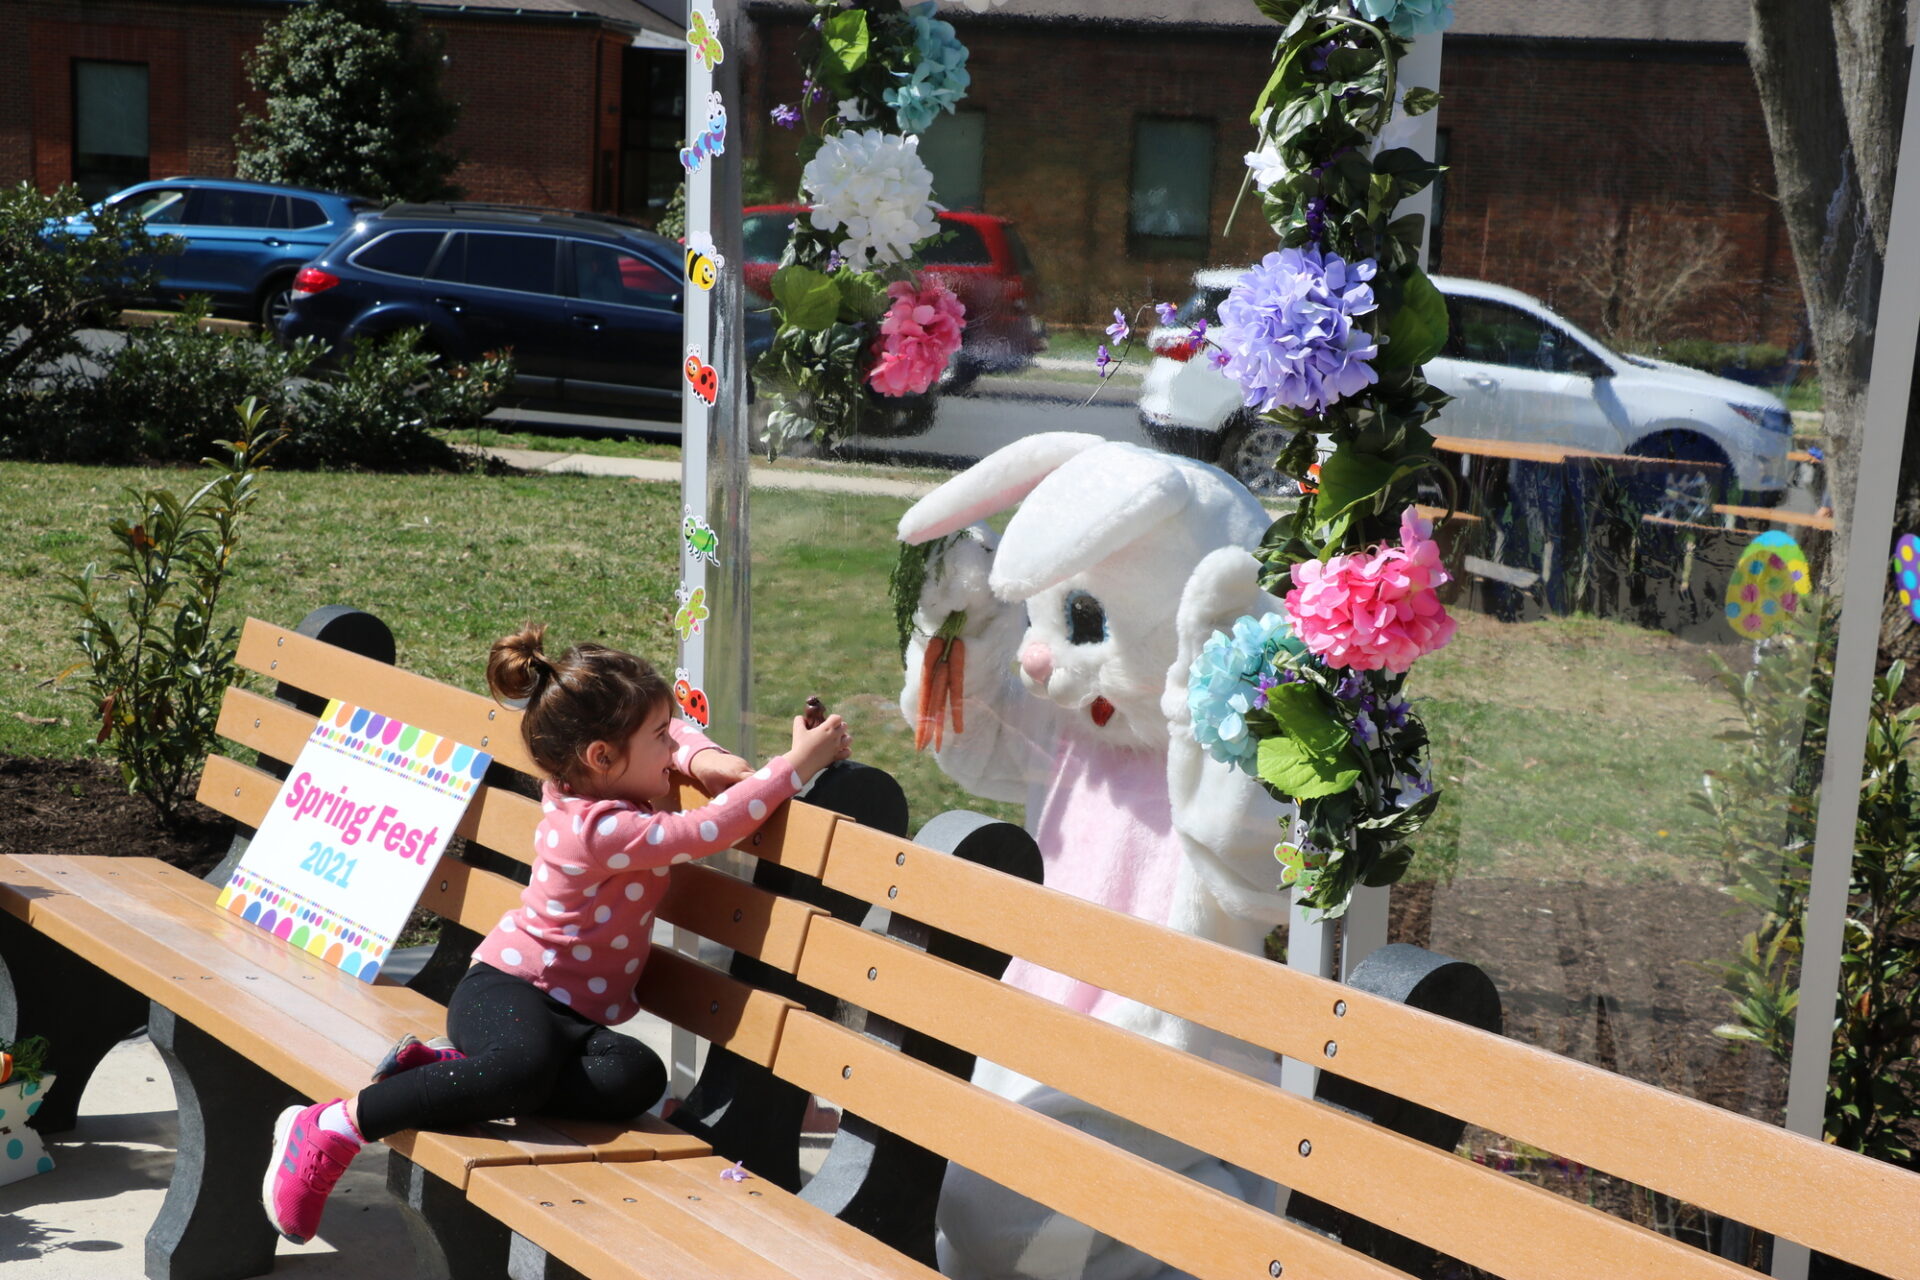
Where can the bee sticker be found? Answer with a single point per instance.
(706, 46)
(700, 538)
(702, 376)
(692, 612)
(692, 700)
(703, 264)
(712, 140)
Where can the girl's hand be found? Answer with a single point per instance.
(715, 771)
(814, 749)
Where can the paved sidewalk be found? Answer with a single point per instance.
(668, 472)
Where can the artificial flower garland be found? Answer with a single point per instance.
(862, 337)
(1326, 336)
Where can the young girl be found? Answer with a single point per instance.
(531, 1022)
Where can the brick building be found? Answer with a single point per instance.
(574, 103)
(1571, 128)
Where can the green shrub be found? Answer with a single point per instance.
(1703, 353)
(54, 283)
(154, 666)
(1873, 1089)
(382, 410)
(168, 394)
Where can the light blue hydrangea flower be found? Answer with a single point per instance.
(939, 79)
(1229, 677)
(1288, 329)
(1408, 17)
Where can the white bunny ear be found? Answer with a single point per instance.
(992, 484)
(1094, 505)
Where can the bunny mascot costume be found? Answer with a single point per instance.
(1080, 627)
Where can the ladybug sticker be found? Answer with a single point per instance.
(702, 377)
(692, 701)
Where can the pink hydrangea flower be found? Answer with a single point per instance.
(1369, 610)
(918, 335)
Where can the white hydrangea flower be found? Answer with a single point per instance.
(874, 185)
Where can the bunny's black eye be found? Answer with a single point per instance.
(1086, 620)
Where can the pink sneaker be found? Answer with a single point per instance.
(410, 1052)
(307, 1161)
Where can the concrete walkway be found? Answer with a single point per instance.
(668, 472)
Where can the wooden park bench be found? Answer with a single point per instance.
(885, 1025)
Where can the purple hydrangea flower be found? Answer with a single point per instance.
(1168, 313)
(1118, 330)
(1289, 332)
(785, 116)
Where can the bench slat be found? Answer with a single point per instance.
(715, 1007)
(332, 672)
(579, 1215)
(1488, 1219)
(1729, 1164)
(736, 914)
(1037, 1156)
(765, 1219)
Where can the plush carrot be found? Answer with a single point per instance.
(942, 685)
(929, 664)
(957, 682)
(6, 1067)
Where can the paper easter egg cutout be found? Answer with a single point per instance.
(1770, 579)
(1906, 574)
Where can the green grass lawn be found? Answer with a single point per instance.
(1568, 748)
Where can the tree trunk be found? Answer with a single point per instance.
(1797, 69)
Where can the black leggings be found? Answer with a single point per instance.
(527, 1054)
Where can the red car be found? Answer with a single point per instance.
(983, 262)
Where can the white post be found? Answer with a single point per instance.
(715, 445)
(1883, 435)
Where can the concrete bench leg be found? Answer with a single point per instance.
(46, 990)
(211, 1226)
(452, 1240)
(528, 1261)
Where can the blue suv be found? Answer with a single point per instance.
(589, 305)
(245, 241)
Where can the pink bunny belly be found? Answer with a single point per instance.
(1105, 835)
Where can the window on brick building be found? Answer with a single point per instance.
(1437, 222)
(1171, 196)
(954, 149)
(109, 126)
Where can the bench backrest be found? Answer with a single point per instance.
(1831, 1200)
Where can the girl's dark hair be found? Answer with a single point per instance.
(589, 694)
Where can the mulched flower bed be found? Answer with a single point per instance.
(82, 807)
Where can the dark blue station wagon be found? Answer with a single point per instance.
(589, 306)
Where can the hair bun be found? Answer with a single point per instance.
(518, 666)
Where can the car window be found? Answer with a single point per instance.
(399, 253)
(1203, 305)
(160, 207)
(963, 247)
(496, 260)
(212, 207)
(304, 213)
(764, 236)
(1022, 260)
(602, 273)
(1489, 332)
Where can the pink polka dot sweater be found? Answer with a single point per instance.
(600, 868)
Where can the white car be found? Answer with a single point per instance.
(1517, 371)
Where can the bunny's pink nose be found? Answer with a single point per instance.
(1037, 661)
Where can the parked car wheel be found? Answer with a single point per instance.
(276, 296)
(1687, 489)
(960, 375)
(1247, 453)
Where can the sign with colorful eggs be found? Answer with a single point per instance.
(1770, 580)
(353, 836)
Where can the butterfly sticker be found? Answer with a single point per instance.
(692, 699)
(692, 612)
(712, 140)
(702, 377)
(706, 46)
(700, 538)
(1298, 867)
(703, 263)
